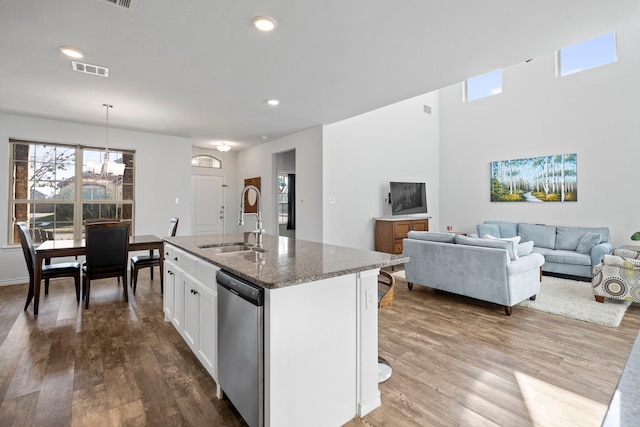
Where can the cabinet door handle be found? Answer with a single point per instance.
(170, 272)
(194, 292)
(175, 259)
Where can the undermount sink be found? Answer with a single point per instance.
(226, 248)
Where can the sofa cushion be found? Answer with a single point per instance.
(567, 238)
(491, 229)
(543, 236)
(432, 236)
(525, 248)
(507, 229)
(567, 257)
(587, 242)
(508, 245)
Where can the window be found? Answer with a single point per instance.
(283, 198)
(205, 161)
(586, 55)
(56, 187)
(483, 86)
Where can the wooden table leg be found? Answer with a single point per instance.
(37, 278)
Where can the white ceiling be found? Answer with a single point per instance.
(198, 69)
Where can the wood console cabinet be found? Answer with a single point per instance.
(391, 231)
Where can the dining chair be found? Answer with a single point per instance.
(100, 220)
(50, 271)
(151, 260)
(107, 253)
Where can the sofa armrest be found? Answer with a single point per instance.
(525, 263)
(599, 251)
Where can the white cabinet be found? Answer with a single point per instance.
(169, 287)
(190, 330)
(173, 298)
(200, 321)
(190, 303)
(208, 330)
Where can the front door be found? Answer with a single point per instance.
(207, 205)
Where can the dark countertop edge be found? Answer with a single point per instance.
(394, 260)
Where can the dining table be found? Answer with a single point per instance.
(65, 248)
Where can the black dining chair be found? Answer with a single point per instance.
(107, 253)
(151, 260)
(50, 271)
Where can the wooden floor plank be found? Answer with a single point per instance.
(457, 362)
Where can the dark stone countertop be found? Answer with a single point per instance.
(624, 409)
(285, 261)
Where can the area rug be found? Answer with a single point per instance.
(574, 299)
(571, 298)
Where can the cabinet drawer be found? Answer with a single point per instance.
(401, 229)
(206, 274)
(420, 226)
(180, 258)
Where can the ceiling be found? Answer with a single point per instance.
(198, 69)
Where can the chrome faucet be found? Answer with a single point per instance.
(259, 231)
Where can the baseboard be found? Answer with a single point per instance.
(14, 281)
(369, 405)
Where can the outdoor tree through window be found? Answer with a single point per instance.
(55, 187)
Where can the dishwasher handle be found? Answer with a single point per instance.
(245, 290)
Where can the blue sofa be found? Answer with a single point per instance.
(572, 251)
(485, 269)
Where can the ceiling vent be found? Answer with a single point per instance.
(125, 4)
(96, 70)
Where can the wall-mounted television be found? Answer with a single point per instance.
(408, 198)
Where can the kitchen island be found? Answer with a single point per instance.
(320, 319)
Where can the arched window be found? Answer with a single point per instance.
(206, 161)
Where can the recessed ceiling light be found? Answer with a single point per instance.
(273, 102)
(264, 23)
(264, 137)
(72, 52)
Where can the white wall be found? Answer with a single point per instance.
(592, 113)
(363, 154)
(163, 173)
(261, 161)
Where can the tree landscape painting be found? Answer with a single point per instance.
(536, 179)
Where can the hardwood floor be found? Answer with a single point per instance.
(113, 364)
(456, 361)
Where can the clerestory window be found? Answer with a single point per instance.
(482, 86)
(587, 55)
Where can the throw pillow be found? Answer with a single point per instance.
(492, 229)
(515, 240)
(587, 242)
(508, 245)
(525, 248)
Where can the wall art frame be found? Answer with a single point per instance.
(552, 178)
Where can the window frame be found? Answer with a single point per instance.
(198, 158)
(465, 95)
(77, 201)
(559, 71)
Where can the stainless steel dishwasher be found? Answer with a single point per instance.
(240, 346)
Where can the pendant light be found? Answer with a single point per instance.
(108, 168)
